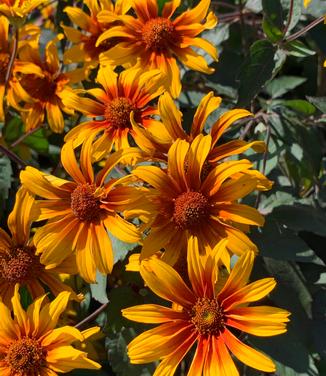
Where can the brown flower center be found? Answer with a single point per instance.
(84, 204)
(19, 264)
(158, 33)
(190, 209)
(118, 112)
(207, 316)
(4, 61)
(26, 357)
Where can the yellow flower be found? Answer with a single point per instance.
(17, 10)
(42, 93)
(189, 202)
(84, 47)
(19, 263)
(81, 211)
(32, 345)
(203, 314)
(130, 91)
(158, 40)
(26, 34)
(306, 3)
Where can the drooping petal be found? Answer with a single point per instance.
(246, 354)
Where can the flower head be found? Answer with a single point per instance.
(43, 89)
(121, 95)
(157, 41)
(84, 48)
(31, 344)
(204, 315)
(18, 10)
(81, 211)
(156, 141)
(190, 202)
(19, 262)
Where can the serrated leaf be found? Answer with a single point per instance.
(281, 85)
(256, 71)
(38, 141)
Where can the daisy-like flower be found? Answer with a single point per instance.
(42, 94)
(156, 141)
(158, 40)
(129, 92)
(18, 10)
(26, 34)
(84, 47)
(189, 202)
(31, 345)
(204, 315)
(19, 263)
(81, 211)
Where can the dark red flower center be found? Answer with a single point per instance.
(41, 88)
(118, 112)
(158, 33)
(190, 209)
(26, 357)
(207, 316)
(84, 204)
(19, 264)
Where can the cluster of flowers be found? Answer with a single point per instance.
(177, 195)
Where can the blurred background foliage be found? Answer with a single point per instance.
(271, 63)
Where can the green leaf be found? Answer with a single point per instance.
(319, 102)
(274, 240)
(98, 289)
(296, 11)
(281, 85)
(38, 141)
(298, 49)
(5, 176)
(120, 248)
(300, 217)
(118, 358)
(273, 19)
(299, 105)
(13, 130)
(161, 5)
(256, 70)
(25, 297)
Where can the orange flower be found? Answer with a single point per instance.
(188, 201)
(159, 40)
(156, 141)
(19, 263)
(204, 315)
(84, 49)
(42, 93)
(18, 10)
(32, 345)
(130, 91)
(81, 211)
(26, 34)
